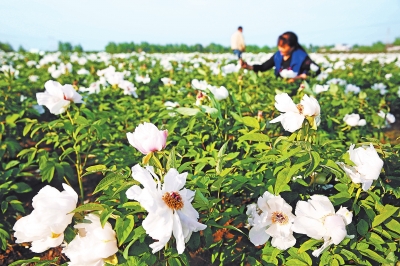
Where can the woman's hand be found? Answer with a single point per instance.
(244, 65)
(301, 76)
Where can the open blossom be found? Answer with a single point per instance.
(390, 118)
(171, 105)
(352, 88)
(45, 226)
(168, 81)
(128, 87)
(288, 73)
(93, 244)
(58, 97)
(199, 84)
(271, 217)
(220, 93)
(294, 115)
(321, 88)
(169, 207)
(317, 219)
(147, 138)
(143, 79)
(380, 87)
(368, 165)
(354, 120)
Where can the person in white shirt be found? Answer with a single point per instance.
(237, 42)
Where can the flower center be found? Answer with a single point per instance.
(300, 108)
(173, 200)
(54, 235)
(279, 217)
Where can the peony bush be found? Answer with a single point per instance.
(178, 159)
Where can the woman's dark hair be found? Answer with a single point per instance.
(289, 38)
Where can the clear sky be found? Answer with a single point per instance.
(93, 23)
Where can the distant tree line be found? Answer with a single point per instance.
(126, 47)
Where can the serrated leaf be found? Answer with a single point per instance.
(254, 137)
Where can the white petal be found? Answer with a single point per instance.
(257, 235)
(173, 181)
(178, 233)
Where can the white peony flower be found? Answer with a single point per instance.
(293, 115)
(314, 67)
(199, 84)
(33, 78)
(93, 88)
(220, 93)
(168, 205)
(354, 120)
(389, 118)
(83, 71)
(272, 217)
(168, 81)
(171, 105)
(380, 87)
(287, 74)
(147, 138)
(128, 87)
(57, 97)
(388, 76)
(45, 226)
(142, 79)
(337, 81)
(93, 243)
(317, 219)
(352, 88)
(321, 88)
(368, 165)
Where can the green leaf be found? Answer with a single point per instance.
(105, 214)
(187, 111)
(254, 137)
(96, 168)
(362, 227)
(282, 180)
(304, 257)
(123, 228)
(89, 207)
(308, 244)
(107, 181)
(137, 233)
(21, 187)
(388, 210)
(11, 164)
(251, 122)
(295, 262)
(373, 255)
(171, 162)
(393, 225)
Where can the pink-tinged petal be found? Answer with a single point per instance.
(257, 234)
(178, 233)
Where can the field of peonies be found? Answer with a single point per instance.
(187, 159)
